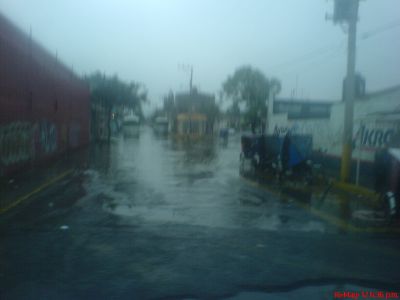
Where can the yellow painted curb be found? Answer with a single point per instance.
(35, 191)
(326, 217)
(355, 189)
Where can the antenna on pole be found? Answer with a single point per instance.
(191, 79)
(187, 68)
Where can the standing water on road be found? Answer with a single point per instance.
(100, 199)
(165, 218)
(160, 180)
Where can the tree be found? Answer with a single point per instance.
(250, 86)
(113, 91)
(233, 115)
(110, 92)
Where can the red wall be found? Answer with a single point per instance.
(44, 107)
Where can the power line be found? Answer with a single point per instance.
(380, 29)
(309, 56)
(335, 52)
(312, 66)
(324, 50)
(317, 54)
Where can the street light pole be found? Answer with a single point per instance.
(349, 93)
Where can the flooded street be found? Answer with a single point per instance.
(189, 150)
(159, 181)
(158, 218)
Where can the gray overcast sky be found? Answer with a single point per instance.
(145, 40)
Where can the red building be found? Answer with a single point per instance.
(44, 107)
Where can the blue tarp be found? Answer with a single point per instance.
(270, 147)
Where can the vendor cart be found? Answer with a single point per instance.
(285, 157)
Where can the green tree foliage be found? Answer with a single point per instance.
(234, 110)
(111, 91)
(250, 86)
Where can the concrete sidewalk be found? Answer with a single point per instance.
(22, 187)
(348, 207)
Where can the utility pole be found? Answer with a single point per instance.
(349, 94)
(347, 11)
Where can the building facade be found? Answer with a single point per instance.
(376, 125)
(44, 107)
(196, 113)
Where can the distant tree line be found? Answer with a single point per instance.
(248, 90)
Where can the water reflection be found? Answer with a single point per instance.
(162, 180)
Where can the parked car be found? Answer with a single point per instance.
(131, 125)
(161, 125)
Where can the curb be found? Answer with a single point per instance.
(37, 190)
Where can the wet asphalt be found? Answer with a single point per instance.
(154, 217)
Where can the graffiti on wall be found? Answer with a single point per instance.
(324, 136)
(16, 143)
(48, 136)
